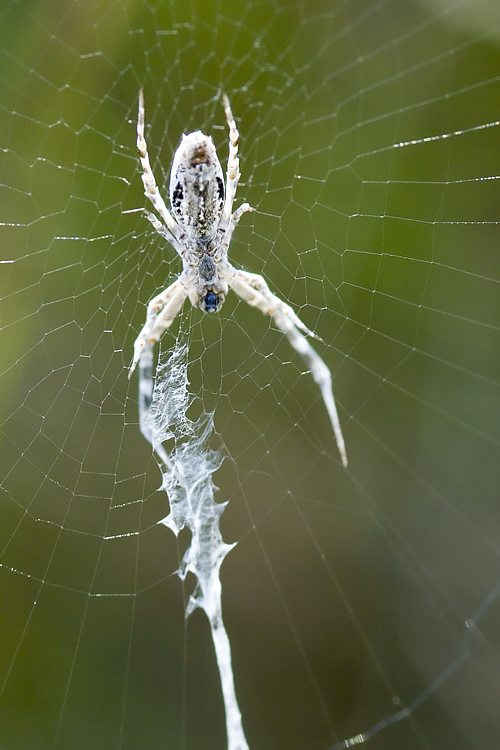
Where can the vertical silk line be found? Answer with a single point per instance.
(187, 479)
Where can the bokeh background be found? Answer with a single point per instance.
(351, 595)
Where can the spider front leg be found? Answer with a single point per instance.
(254, 290)
(171, 300)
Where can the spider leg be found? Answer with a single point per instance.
(162, 229)
(233, 174)
(171, 300)
(234, 219)
(321, 375)
(254, 290)
(150, 189)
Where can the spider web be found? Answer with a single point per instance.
(361, 605)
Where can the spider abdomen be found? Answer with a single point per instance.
(197, 185)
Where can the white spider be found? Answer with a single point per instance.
(200, 230)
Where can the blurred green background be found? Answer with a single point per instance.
(348, 594)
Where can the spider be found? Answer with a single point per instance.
(200, 228)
